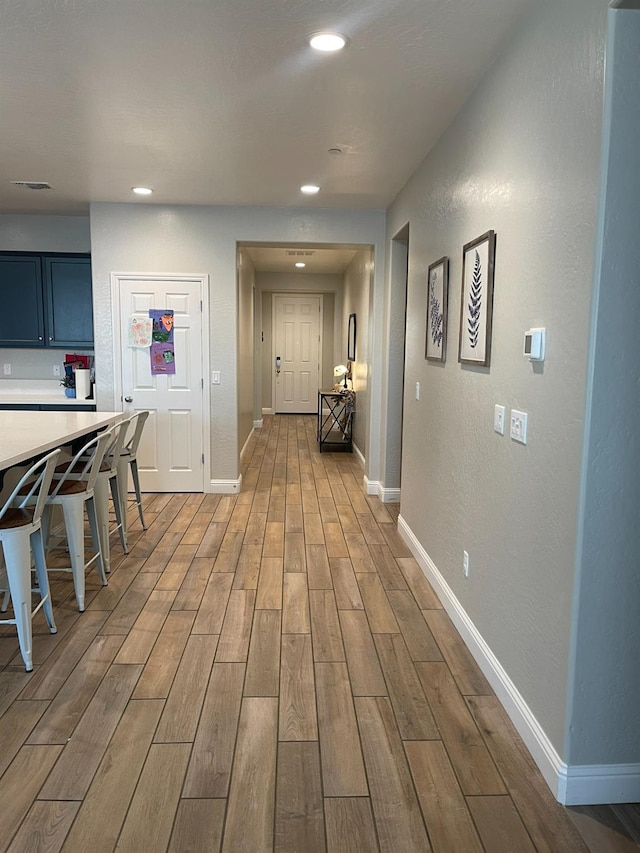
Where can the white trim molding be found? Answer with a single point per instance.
(571, 785)
(375, 487)
(359, 455)
(246, 444)
(225, 487)
(258, 424)
(268, 411)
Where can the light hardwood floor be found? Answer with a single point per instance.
(269, 671)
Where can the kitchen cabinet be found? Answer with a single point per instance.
(47, 301)
(46, 407)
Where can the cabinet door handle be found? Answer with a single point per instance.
(40, 338)
(50, 339)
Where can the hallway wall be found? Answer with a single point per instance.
(522, 158)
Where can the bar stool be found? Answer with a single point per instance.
(128, 459)
(107, 479)
(73, 488)
(20, 533)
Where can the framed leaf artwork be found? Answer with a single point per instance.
(476, 304)
(437, 291)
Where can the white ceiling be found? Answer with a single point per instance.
(317, 259)
(222, 102)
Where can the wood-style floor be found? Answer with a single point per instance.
(269, 671)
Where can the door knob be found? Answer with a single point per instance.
(128, 399)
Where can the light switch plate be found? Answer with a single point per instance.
(519, 426)
(215, 377)
(498, 419)
(7, 369)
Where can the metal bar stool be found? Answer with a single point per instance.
(128, 460)
(21, 534)
(73, 488)
(107, 479)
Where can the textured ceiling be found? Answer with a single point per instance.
(222, 102)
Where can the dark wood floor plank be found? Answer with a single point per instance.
(418, 584)
(295, 604)
(417, 635)
(211, 759)
(104, 808)
(144, 633)
(319, 575)
(342, 765)
(236, 628)
(20, 784)
(71, 701)
(376, 604)
(213, 604)
(395, 807)
(45, 827)
(15, 727)
(546, 821)
(350, 827)
(269, 595)
(362, 659)
(413, 715)
(442, 802)
(184, 703)
(467, 750)
(299, 808)
(465, 670)
(72, 775)
(297, 709)
(150, 818)
(251, 805)
(325, 626)
(500, 826)
(345, 585)
(194, 584)
(263, 663)
(198, 826)
(160, 669)
(130, 605)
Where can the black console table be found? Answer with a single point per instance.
(335, 419)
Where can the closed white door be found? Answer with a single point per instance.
(296, 362)
(170, 456)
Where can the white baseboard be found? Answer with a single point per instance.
(258, 424)
(268, 412)
(571, 785)
(225, 487)
(387, 496)
(245, 445)
(359, 455)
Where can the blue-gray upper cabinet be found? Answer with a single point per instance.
(22, 317)
(69, 306)
(47, 301)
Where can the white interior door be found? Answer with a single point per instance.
(297, 352)
(170, 456)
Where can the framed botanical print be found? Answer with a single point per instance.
(476, 303)
(437, 291)
(351, 338)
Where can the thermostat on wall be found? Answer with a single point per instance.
(534, 344)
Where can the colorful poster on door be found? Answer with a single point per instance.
(162, 350)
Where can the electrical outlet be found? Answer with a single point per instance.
(465, 564)
(56, 370)
(7, 369)
(498, 419)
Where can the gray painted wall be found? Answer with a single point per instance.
(356, 301)
(602, 725)
(203, 240)
(522, 157)
(246, 281)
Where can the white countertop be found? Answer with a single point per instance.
(37, 392)
(24, 435)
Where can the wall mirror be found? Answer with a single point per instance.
(351, 338)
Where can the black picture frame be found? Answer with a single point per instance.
(437, 292)
(476, 302)
(351, 338)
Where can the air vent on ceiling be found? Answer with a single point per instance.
(299, 254)
(32, 185)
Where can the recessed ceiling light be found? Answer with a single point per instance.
(300, 265)
(310, 189)
(142, 190)
(327, 42)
